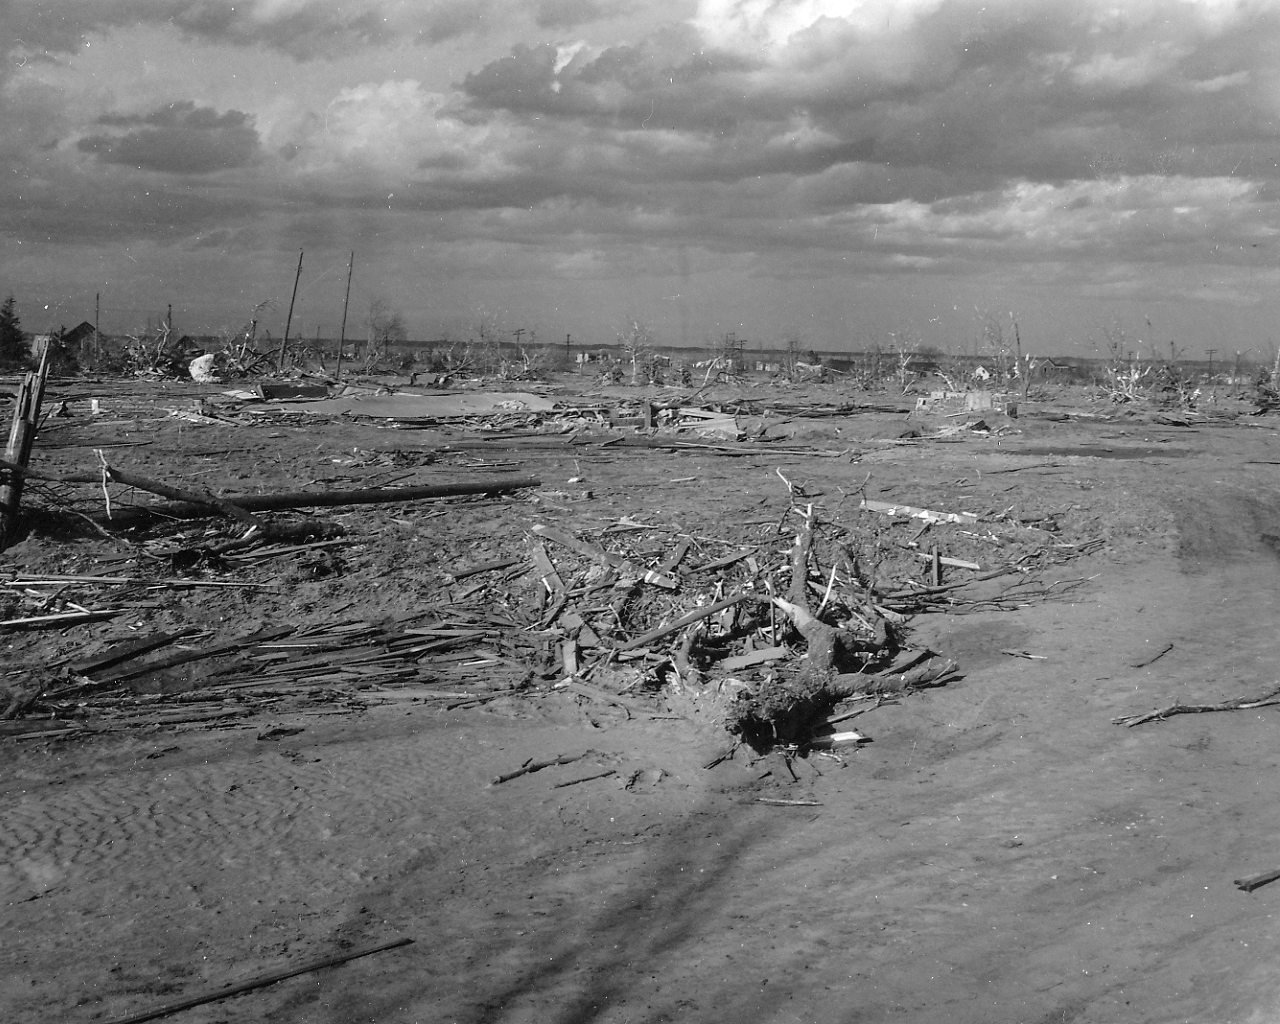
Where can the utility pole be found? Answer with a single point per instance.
(1211, 351)
(169, 322)
(342, 335)
(517, 332)
(97, 342)
(284, 345)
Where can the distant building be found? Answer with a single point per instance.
(79, 334)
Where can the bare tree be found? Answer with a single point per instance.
(998, 341)
(906, 343)
(1125, 377)
(484, 346)
(794, 346)
(636, 340)
(385, 328)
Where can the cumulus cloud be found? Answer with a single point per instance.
(979, 93)
(395, 127)
(179, 138)
(899, 135)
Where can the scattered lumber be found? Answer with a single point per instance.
(687, 620)
(911, 511)
(130, 649)
(780, 802)
(1251, 882)
(60, 619)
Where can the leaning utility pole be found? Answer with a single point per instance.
(284, 345)
(342, 334)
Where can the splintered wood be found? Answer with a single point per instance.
(17, 453)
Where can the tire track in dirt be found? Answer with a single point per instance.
(259, 815)
(200, 873)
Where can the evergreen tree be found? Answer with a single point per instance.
(13, 346)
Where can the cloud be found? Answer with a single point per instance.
(571, 13)
(456, 18)
(972, 93)
(393, 128)
(179, 138)
(302, 28)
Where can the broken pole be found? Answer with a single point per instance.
(378, 495)
(342, 334)
(22, 434)
(196, 497)
(196, 504)
(284, 345)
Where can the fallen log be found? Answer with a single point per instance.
(382, 495)
(188, 503)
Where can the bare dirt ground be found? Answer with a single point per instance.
(1000, 851)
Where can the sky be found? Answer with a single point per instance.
(843, 173)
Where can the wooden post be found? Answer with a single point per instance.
(22, 434)
(342, 335)
(1024, 368)
(284, 345)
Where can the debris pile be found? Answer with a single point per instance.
(761, 626)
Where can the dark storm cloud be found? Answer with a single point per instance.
(65, 207)
(308, 30)
(570, 13)
(179, 138)
(456, 18)
(666, 83)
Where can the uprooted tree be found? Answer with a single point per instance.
(835, 666)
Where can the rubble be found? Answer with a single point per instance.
(764, 629)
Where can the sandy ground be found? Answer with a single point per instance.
(1001, 851)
